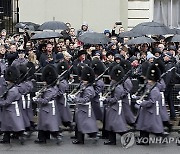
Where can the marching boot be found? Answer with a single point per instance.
(6, 138)
(80, 138)
(41, 137)
(75, 136)
(94, 137)
(57, 137)
(112, 139)
(168, 125)
(21, 137)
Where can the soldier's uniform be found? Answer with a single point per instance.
(84, 115)
(149, 118)
(12, 119)
(48, 120)
(20, 61)
(115, 122)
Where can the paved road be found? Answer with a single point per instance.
(89, 148)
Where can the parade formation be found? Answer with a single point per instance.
(125, 85)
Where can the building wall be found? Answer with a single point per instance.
(99, 14)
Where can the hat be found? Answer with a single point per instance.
(117, 73)
(49, 74)
(81, 52)
(62, 66)
(3, 30)
(144, 68)
(23, 71)
(171, 47)
(153, 73)
(156, 50)
(96, 53)
(59, 56)
(133, 58)
(98, 66)
(85, 24)
(31, 72)
(21, 51)
(117, 56)
(159, 63)
(149, 55)
(88, 74)
(79, 68)
(12, 74)
(126, 65)
(168, 54)
(107, 31)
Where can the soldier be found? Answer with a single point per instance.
(149, 119)
(21, 59)
(48, 120)
(84, 116)
(115, 122)
(12, 120)
(62, 104)
(98, 68)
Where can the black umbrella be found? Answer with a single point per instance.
(152, 28)
(175, 38)
(141, 40)
(129, 34)
(27, 25)
(93, 38)
(45, 35)
(53, 25)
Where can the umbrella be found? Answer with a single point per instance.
(175, 38)
(93, 38)
(141, 40)
(129, 34)
(27, 25)
(45, 35)
(152, 28)
(53, 25)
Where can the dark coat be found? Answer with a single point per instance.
(115, 120)
(12, 119)
(48, 119)
(84, 115)
(97, 107)
(149, 118)
(19, 61)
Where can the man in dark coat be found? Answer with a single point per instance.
(21, 60)
(48, 122)
(12, 119)
(84, 116)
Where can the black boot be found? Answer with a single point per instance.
(168, 125)
(143, 139)
(41, 137)
(6, 138)
(80, 138)
(112, 139)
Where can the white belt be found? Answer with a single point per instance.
(89, 108)
(53, 106)
(24, 102)
(101, 102)
(163, 99)
(157, 108)
(16, 108)
(129, 98)
(65, 99)
(120, 107)
(28, 101)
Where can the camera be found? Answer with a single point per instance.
(118, 23)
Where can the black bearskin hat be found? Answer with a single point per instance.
(153, 73)
(160, 64)
(23, 71)
(126, 65)
(98, 66)
(63, 66)
(144, 68)
(79, 68)
(12, 74)
(117, 73)
(49, 74)
(31, 70)
(87, 74)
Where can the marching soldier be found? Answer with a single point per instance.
(12, 118)
(48, 120)
(115, 122)
(62, 104)
(84, 115)
(149, 119)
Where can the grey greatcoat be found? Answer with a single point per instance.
(19, 61)
(114, 114)
(163, 110)
(149, 118)
(48, 119)
(12, 119)
(25, 88)
(129, 116)
(97, 107)
(61, 99)
(84, 115)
